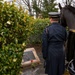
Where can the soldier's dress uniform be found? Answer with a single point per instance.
(53, 39)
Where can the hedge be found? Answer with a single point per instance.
(38, 27)
(15, 27)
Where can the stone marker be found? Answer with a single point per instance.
(30, 57)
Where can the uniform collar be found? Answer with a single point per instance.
(55, 23)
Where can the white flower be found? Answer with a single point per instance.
(8, 22)
(2, 33)
(14, 60)
(23, 44)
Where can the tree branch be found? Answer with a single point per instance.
(25, 2)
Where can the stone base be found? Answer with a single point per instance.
(30, 62)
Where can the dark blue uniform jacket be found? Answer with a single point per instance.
(53, 39)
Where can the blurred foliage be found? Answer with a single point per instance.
(15, 28)
(48, 6)
(43, 7)
(38, 27)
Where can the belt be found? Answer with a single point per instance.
(72, 30)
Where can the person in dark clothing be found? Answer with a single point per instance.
(53, 39)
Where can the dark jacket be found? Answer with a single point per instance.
(53, 39)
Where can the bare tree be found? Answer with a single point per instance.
(37, 6)
(27, 4)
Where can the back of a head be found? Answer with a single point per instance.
(54, 15)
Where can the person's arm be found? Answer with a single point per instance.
(65, 41)
(45, 44)
(66, 35)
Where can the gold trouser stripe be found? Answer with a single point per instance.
(73, 30)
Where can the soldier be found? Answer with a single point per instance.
(53, 39)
